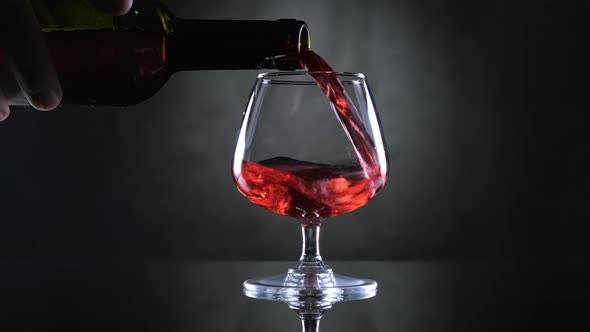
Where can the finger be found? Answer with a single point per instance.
(8, 85)
(115, 7)
(28, 55)
(4, 110)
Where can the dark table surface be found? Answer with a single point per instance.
(108, 294)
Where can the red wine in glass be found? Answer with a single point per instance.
(305, 190)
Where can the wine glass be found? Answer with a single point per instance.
(310, 147)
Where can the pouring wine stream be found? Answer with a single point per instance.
(363, 144)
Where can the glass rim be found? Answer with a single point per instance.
(284, 76)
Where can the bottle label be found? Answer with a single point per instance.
(61, 15)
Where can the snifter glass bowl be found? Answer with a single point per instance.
(295, 156)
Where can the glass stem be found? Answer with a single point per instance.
(311, 243)
(310, 321)
(310, 325)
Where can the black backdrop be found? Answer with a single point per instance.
(483, 107)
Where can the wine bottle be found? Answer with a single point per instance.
(103, 60)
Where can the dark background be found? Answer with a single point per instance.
(483, 107)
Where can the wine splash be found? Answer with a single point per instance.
(305, 190)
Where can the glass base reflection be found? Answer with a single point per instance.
(301, 290)
(310, 288)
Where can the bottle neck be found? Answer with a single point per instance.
(235, 44)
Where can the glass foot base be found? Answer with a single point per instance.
(310, 291)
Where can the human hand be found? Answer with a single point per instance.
(25, 63)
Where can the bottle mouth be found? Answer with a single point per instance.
(304, 38)
(294, 40)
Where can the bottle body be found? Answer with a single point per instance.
(108, 68)
(103, 60)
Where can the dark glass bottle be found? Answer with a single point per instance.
(118, 61)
